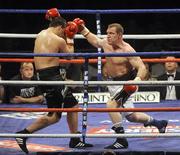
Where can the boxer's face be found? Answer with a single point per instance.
(112, 36)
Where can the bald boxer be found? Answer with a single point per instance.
(121, 69)
(57, 38)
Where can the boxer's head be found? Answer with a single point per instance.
(114, 33)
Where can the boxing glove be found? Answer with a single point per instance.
(52, 13)
(71, 29)
(130, 89)
(125, 93)
(79, 22)
(81, 26)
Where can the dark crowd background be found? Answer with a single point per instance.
(151, 23)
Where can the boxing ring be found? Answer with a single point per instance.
(97, 130)
(96, 125)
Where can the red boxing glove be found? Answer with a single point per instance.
(71, 29)
(51, 13)
(125, 93)
(130, 89)
(81, 26)
(79, 22)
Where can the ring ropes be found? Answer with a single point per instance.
(88, 11)
(98, 26)
(84, 125)
(142, 135)
(81, 61)
(85, 110)
(77, 36)
(157, 135)
(98, 23)
(91, 55)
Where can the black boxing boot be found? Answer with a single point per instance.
(120, 143)
(21, 141)
(160, 124)
(77, 143)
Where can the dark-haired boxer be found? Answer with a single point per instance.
(58, 37)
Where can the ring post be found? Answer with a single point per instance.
(99, 63)
(85, 100)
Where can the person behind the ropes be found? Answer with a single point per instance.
(25, 94)
(121, 69)
(171, 73)
(58, 37)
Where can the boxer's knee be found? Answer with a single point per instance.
(111, 104)
(53, 117)
(133, 117)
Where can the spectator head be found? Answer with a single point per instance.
(26, 70)
(170, 66)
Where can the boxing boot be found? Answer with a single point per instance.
(77, 143)
(21, 141)
(159, 124)
(120, 143)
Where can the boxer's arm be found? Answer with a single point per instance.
(65, 47)
(138, 64)
(92, 38)
(69, 46)
(70, 31)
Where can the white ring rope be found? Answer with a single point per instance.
(130, 36)
(140, 135)
(92, 83)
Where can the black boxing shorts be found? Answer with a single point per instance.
(53, 94)
(69, 100)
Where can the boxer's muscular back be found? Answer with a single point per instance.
(46, 42)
